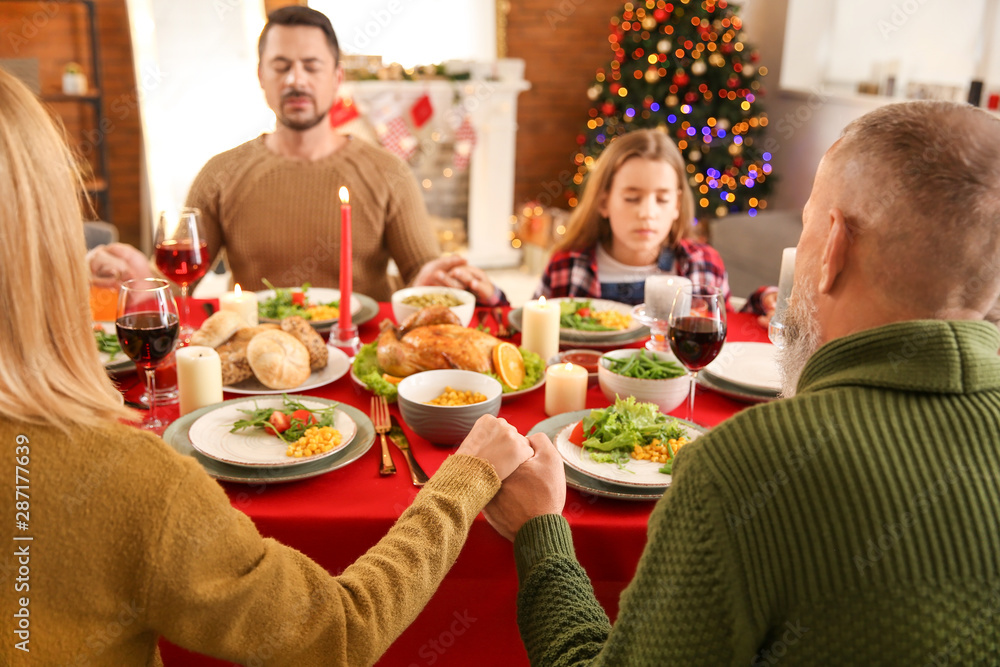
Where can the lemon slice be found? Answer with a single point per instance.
(509, 364)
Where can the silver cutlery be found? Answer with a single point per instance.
(380, 419)
(398, 438)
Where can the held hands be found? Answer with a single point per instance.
(115, 263)
(499, 443)
(537, 487)
(454, 271)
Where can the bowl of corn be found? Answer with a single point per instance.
(442, 406)
(407, 301)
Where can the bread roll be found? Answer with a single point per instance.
(278, 359)
(217, 329)
(244, 335)
(235, 367)
(319, 355)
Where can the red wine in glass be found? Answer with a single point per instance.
(697, 330)
(182, 261)
(697, 341)
(147, 337)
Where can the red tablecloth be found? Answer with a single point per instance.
(336, 517)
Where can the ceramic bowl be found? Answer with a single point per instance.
(667, 394)
(402, 310)
(589, 359)
(443, 424)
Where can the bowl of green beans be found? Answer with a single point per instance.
(650, 376)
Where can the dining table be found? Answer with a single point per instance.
(471, 620)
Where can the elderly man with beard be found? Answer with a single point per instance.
(273, 202)
(854, 522)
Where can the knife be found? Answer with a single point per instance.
(398, 438)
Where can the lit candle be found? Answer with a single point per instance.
(346, 277)
(660, 291)
(786, 278)
(242, 303)
(565, 388)
(199, 377)
(540, 328)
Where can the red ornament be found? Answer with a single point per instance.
(660, 15)
(738, 161)
(727, 47)
(614, 88)
(754, 56)
(607, 108)
(580, 139)
(681, 78)
(421, 111)
(690, 97)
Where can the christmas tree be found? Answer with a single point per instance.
(682, 66)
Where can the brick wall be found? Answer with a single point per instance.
(57, 33)
(562, 42)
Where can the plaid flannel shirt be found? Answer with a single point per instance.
(573, 273)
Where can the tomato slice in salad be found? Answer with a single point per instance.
(299, 299)
(576, 435)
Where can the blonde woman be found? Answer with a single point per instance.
(127, 534)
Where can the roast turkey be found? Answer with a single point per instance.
(433, 338)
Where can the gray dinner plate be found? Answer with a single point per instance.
(176, 436)
(585, 483)
(734, 391)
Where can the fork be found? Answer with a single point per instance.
(380, 419)
(502, 330)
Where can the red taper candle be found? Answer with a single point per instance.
(346, 276)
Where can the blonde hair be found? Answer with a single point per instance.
(50, 372)
(587, 226)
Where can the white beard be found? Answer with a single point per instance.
(801, 337)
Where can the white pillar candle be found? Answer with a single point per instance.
(565, 388)
(199, 377)
(786, 278)
(540, 328)
(660, 291)
(242, 303)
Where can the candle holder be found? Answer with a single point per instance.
(346, 340)
(658, 329)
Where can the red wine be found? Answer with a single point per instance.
(697, 340)
(181, 261)
(147, 337)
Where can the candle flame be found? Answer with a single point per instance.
(345, 197)
(541, 301)
(568, 367)
(236, 290)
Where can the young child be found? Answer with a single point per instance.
(632, 222)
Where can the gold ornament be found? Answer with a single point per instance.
(663, 45)
(671, 100)
(652, 76)
(735, 149)
(698, 67)
(749, 69)
(694, 156)
(648, 23)
(594, 92)
(721, 212)
(716, 60)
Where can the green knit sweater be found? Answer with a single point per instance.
(855, 524)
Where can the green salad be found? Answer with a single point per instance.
(368, 371)
(610, 435)
(287, 302)
(107, 343)
(579, 315)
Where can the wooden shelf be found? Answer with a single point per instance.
(92, 96)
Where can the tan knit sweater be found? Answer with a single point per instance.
(279, 218)
(131, 541)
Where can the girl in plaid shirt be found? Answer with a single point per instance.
(632, 222)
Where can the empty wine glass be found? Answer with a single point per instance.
(147, 327)
(182, 255)
(697, 329)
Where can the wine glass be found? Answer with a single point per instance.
(182, 256)
(147, 327)
(697, 329)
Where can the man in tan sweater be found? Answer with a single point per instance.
(273, 202)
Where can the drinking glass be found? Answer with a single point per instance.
(147, 327)
(182, 256)
(697, 329)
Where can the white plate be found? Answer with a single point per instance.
(750, 365)
(634, 473)
(121, 361)
(210, 434)
(336, 367)
(598, 305)
(314, 295)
